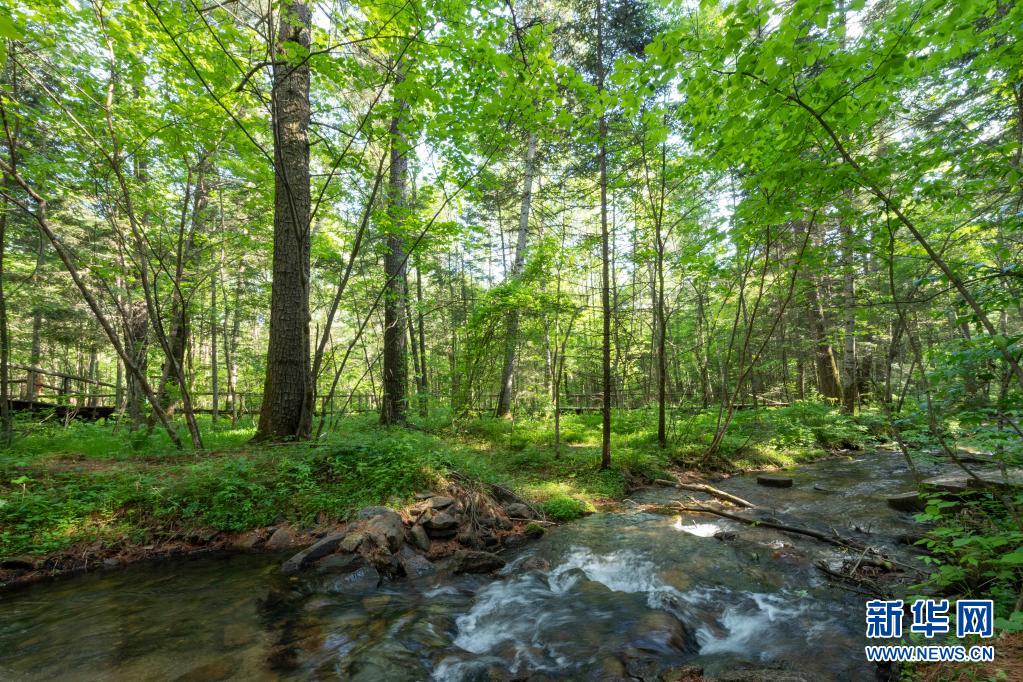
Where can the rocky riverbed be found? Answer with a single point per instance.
(630, 594)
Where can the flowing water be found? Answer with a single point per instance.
(624, 594)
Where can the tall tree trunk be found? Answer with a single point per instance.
(214, 378)
(829, 383)
(511, 340)
(605, 284)
(287, 391)
(424, 396)
(393, 404)
(6, 431)
(850, 392)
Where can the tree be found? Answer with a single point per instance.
(288, 390)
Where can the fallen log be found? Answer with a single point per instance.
(835, 539)
(710, 490)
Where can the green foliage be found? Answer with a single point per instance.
(976, 548)
(565, 508)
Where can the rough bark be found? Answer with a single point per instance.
(511, 340)
(394, 402)
(605, 283)
(850, 392)
(286, 412)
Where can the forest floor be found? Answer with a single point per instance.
(86, 495)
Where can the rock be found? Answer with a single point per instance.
(415, 565)
(111, 563)
(906, 502)
(517, 510)
(236, 635)
(535, 563)
(441, 525)
(363, 579)
(960, 483)
(219, 669)
(534, 531)
(383, 522)
(489, 538)
(821, 489)
(18, 563)
(247, 541)
(317, 550)
(340, 563)
(469, 539)
(474, 561)
(686, 673)
(513, 541)
(761, 675)
(772, 481)
(419, 538)
(282, 538)
(441, 501)
(725, 535)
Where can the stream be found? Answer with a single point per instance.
(617, 595)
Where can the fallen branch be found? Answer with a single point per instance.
(836, 539)
(873, 587)
(710, 490)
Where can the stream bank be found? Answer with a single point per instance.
(618, 595)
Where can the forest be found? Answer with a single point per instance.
(499, 269)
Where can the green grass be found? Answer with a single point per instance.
(91, 483)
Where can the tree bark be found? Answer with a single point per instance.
(394, 402)
(605, 283)
(286, 412)
(850, 392)
(506, 395)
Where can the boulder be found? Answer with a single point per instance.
(906, 502)
(340, 563)
(415, 565)
(361, 580)
(382, 522)
(517, 510)
(725, 535)
(773, 481)
(419, 538)
(762, 675)
(475, 561)
(535, 563)
(440, 502)
(18, 563)
(247, 541)
(282, 538)
(441, 525)
(318, 550)
(686, 673)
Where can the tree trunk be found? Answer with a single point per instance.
(605, 284)
(850, 393)
(287, 391)
(424, 396)
(829, 383)
(214, 379)
(506, 395)
(393, 404)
